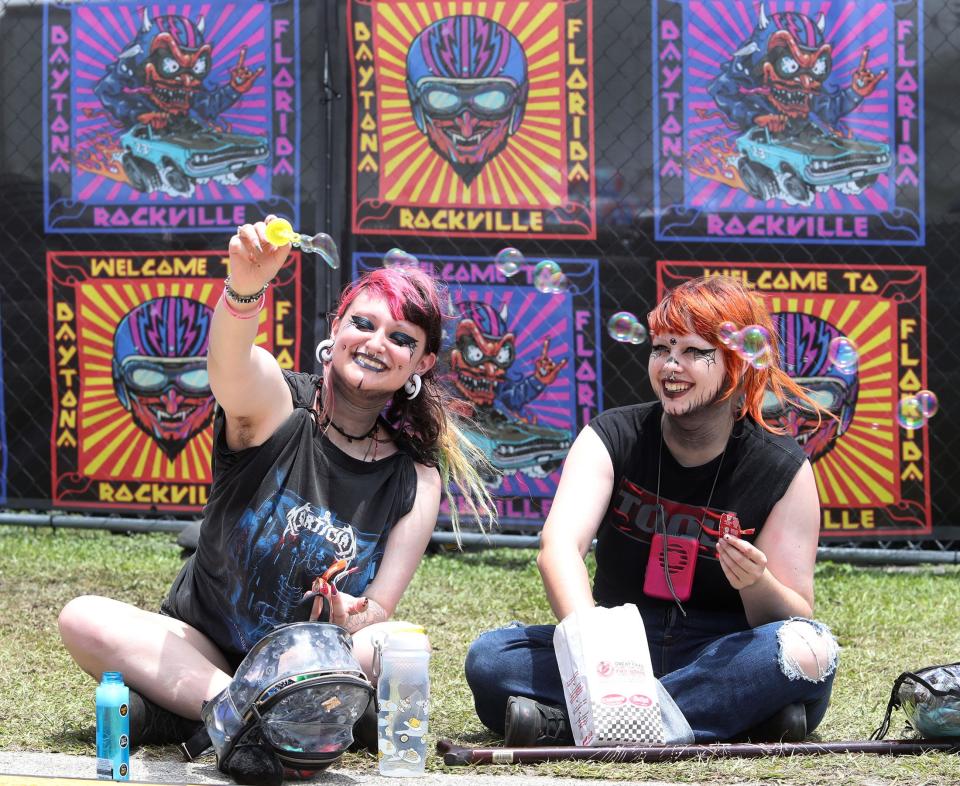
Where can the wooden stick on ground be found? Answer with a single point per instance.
(455, 755)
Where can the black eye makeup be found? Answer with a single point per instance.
(403, 340)
(398, 337)
(361, 323)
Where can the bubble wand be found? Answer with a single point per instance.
(280, 232)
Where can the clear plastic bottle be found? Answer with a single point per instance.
(113, 728)
(403, 694)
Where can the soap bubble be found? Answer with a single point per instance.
(621, 326)
(508, 261)
(730, 336)
(842, 353)
(397, 257)
(754, 339)
(322, 244)
(928, 403)
(910, 413)
(638, 334)
(545, 275)
(559, 283)
(762, 360)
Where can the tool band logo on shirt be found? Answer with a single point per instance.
(873, 476)
(473, 119)
(133, 408)
(789, 121)
(175, 118)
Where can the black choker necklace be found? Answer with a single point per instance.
(352, 437)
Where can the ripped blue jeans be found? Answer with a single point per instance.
(724, 683)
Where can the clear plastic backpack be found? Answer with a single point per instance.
(300, 689)
(930, 698)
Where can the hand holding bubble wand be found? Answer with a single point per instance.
(280, 232)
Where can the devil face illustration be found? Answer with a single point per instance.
(467, 84)
(178, 63)
(169, 59)
(805, 349)
(796, 65)
(160, 370)
(484, 350)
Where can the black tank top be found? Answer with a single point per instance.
(756, 471)
(279, 514)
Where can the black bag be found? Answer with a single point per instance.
(930, 698)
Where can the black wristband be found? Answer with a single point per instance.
(236, 297)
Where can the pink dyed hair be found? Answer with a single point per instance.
(411, 295)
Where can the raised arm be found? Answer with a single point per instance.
(775, 574)
(246, 380)
(582, 497)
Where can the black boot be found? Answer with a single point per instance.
(788, 724)
(365, 730)
(530, 724)
(153, 725)
(252, 761)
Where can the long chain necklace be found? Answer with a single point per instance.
(660, 524)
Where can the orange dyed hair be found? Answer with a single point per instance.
(700, 306)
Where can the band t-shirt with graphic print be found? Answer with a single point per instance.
(278, 516)
(756, 470)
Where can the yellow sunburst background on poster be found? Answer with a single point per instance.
(862, 468)
(529, 171)
(112, 446)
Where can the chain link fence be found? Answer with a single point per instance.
(631, 251)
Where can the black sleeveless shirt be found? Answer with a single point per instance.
(756, 470)
(279, 514)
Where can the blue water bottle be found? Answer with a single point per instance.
(113, 728)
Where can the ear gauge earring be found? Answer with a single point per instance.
(412, 386)
(325, 351)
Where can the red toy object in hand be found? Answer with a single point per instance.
(730, 525)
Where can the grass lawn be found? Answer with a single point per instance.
(887, 620)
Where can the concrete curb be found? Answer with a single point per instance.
(170, 769)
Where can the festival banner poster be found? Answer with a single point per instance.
(873, 476)
(132, 402)
(473, 119)
(172, 117)
(528, 362)
(789, 121)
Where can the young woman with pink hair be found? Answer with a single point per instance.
(346, 467)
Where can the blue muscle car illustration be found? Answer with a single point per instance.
(172, 160)
(799, 164)
(511, 445)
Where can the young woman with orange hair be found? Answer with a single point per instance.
(733, 641)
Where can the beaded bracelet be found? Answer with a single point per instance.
(241, 314)
(236, 297)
